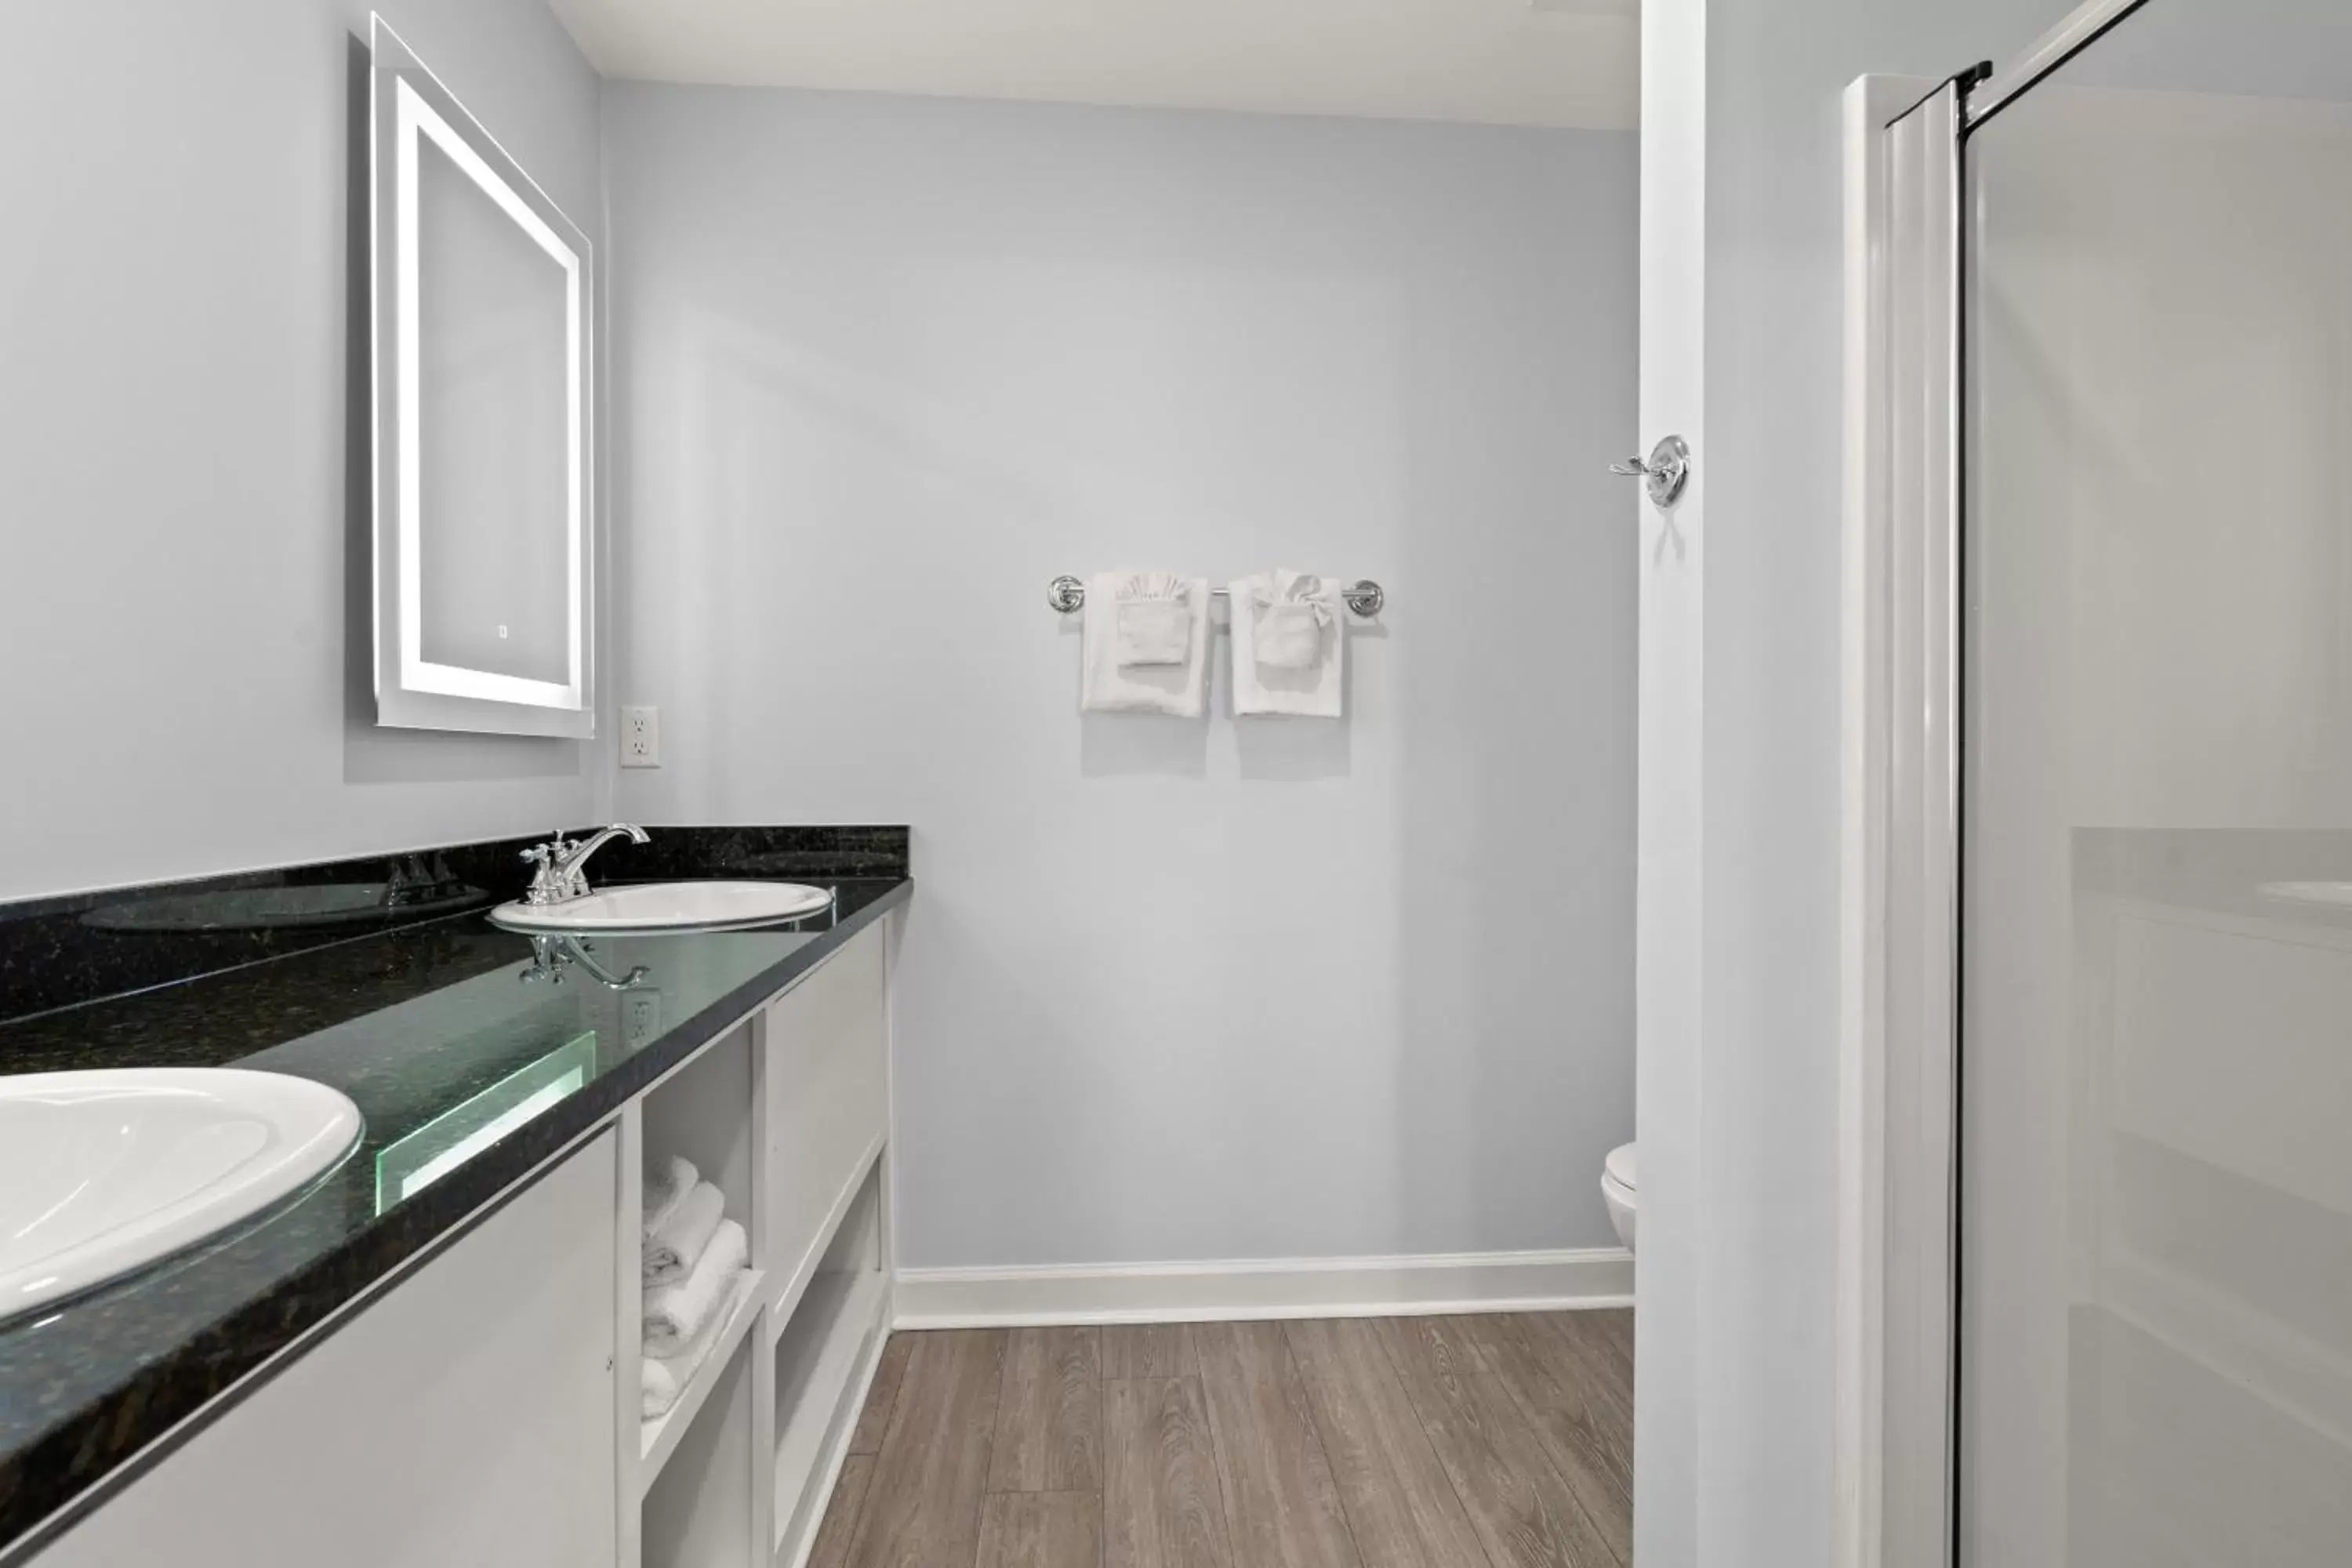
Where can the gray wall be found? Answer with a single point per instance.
(180, 470)
(1171, 992)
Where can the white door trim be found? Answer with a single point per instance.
(1670, 1395)
(1898, 939)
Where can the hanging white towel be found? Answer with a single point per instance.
(1146, 644)
(1290, 645)
(676, 1313)
(665, 1185)
(664, 1378)
(676, 1243)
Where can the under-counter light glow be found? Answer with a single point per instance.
(473, 1143)
(408, 1167)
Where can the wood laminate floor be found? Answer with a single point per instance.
(1502, 1441)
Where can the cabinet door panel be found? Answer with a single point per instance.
(467, 1416)
(828, 1045)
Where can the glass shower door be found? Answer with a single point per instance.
(2155, 1254)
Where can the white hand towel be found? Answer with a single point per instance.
(1147, 644)
(676, 1313)
(666, 1186)
(1290, 646)
(664, 1378)
(1154, 631)
(676, 1243)
(1289, 634)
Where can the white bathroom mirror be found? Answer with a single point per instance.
(484, 541)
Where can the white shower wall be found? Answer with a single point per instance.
(2156, 1186)
(1169, 992)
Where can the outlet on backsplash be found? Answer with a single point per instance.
(640, 1014)
(641, 737)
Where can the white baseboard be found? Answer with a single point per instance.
(1263, 1288)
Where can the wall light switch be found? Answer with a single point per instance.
(641, 737)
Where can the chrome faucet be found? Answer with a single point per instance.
(560, 876)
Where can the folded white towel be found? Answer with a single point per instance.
(664, 1378)
(666, 1186)
(676, 1313)
(1154, 631)
(1147, 644)
(676, 1244)
(1291, 647)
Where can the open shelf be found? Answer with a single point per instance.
(788, 1116)
(704, 1508)
(860, 1188)
(703, 1111)
(658, 1437)
(824, 1356)
(855, 1329)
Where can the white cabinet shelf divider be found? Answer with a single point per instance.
(658, 1437)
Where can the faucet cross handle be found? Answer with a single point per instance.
(546, 880)
(567, 870)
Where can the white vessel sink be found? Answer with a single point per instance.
(669, 906)
(101, 1173)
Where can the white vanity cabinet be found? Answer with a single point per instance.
(466, 1417)
(827, 1084)
(790, 1115)
(486, 1408)
(827, 1089)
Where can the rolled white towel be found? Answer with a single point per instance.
(666, 1186)
(665, 1381)
(676, 1313)
(673, 1246)
(664, 1377)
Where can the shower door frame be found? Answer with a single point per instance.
(1901, 1058)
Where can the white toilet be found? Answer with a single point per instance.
(1617, 1190)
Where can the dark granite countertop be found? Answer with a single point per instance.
(433, 1030)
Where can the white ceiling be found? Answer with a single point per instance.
(1514, 62)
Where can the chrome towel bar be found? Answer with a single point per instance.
(1364, 597)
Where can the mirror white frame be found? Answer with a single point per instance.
(408, 108)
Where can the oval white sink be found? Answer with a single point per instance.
(670, 906)
(102, 1172)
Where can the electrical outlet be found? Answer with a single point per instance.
(641, 737)
(640, 1015)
